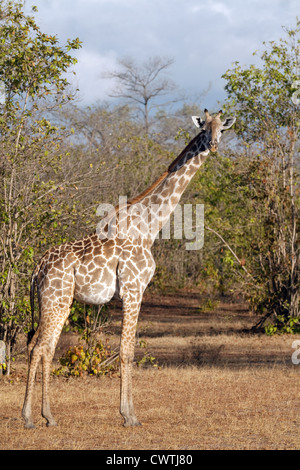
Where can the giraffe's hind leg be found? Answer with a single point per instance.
(34, 356)
(43, 349)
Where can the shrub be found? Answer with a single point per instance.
(94, 358)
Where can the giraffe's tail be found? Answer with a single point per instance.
(32, 291)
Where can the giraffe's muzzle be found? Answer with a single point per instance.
(213, 147)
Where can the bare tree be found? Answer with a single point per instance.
(142, 84)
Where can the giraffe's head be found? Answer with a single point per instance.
(213, 127)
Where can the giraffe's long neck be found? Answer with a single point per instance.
(162, 200)
(145, 215)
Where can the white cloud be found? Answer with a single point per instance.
(215, 8)
(89, 69)
(222, 9)
(204, 37)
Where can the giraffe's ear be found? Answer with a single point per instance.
(198, 121)
(228, 123)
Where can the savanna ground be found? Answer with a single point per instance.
(216, 387)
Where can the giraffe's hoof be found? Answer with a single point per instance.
(29, 426)
(51, 424)
(131, 422)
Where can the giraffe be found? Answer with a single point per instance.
(98, 267)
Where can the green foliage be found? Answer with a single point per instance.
(147, 358)
(266, 175)
(283, 324)
(31, 61)
(95, 357)
(92, 358)
(218, 186)
(208, 306)
(32, 71)
(85, 318)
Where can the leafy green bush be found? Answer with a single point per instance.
(147, 357)
(93, 358)
(283, 325)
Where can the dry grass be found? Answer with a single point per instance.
(213, 391)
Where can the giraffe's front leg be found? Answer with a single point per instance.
(131, 308)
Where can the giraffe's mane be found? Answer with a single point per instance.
(184, 151)
(148, 190)
(154, 185)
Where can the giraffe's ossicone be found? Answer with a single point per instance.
(115, 260)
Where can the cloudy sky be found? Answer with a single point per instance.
(204, 37)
